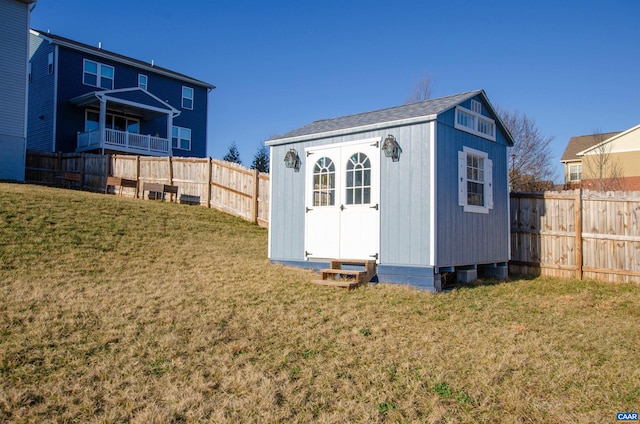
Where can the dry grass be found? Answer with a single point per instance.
(122, 310)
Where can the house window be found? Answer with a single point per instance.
(112, 122)
(324, 182)
(50, 63)
(97, 75)
(181, 138)
(473, 122)
(575, 172)
(475, 181)
(29, 72)
(187, 97)
(142, 81)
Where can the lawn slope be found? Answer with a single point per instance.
(122, 310)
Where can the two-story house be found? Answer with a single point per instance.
(14, 49)
(87, 99)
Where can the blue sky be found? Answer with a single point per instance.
(572, 66)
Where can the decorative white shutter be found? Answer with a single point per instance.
(488, 175)
(462, 178)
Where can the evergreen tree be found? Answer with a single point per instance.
(233, 155)
(261, 159)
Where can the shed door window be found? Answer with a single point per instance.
(358, 183)
(324, 182)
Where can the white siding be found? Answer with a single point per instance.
(14, 44)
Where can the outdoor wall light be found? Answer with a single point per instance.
(292, 160)
(391, 148)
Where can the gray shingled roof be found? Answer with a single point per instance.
(582, 142)
(412, 110)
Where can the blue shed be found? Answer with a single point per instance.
(421, 188)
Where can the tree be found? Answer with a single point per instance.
(600, 169)
(422, 89)
(530, 159)
(233, 155)
(261, 159)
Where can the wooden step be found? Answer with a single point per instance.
(351, 278)
(348, 273)
(337, 283)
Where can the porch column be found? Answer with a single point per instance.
(170, 131)
(102, 121)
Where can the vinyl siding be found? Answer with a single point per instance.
(50, 112)
(466, 238)
(14, 41)
(41, 92)
(404, 198)
(14, 23)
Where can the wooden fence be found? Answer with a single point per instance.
(576, 234)
(213, 183)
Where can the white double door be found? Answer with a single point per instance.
(342, 213)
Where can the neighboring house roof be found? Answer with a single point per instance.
(75, 45)
(583, 142)
(398, 115)
(609, 139)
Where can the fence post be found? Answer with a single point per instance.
(138, 175)
(107, 167)
(81, 170)
(59, 162)
(578, 229)
(256, 189)
(209, 182)
(170, 178)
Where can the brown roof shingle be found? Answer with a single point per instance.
(582, 142)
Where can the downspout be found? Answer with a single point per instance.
(102, 121)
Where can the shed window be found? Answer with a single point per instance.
(97, 75)
(475, 123)
(324, 182)
(475, 181)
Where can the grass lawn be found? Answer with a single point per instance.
(122, 310)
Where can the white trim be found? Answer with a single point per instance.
(487, 182)
(271, 178)
(350, 130)
(180, 138)
(344, 144)
(477, 117)
(98, 74)
(476, 105)
(608, 140)
(140, 105)
(432, 195)
(106, 95)
(55, 98)
(146, 83)
(183, 97)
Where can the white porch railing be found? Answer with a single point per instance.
(123, 141)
